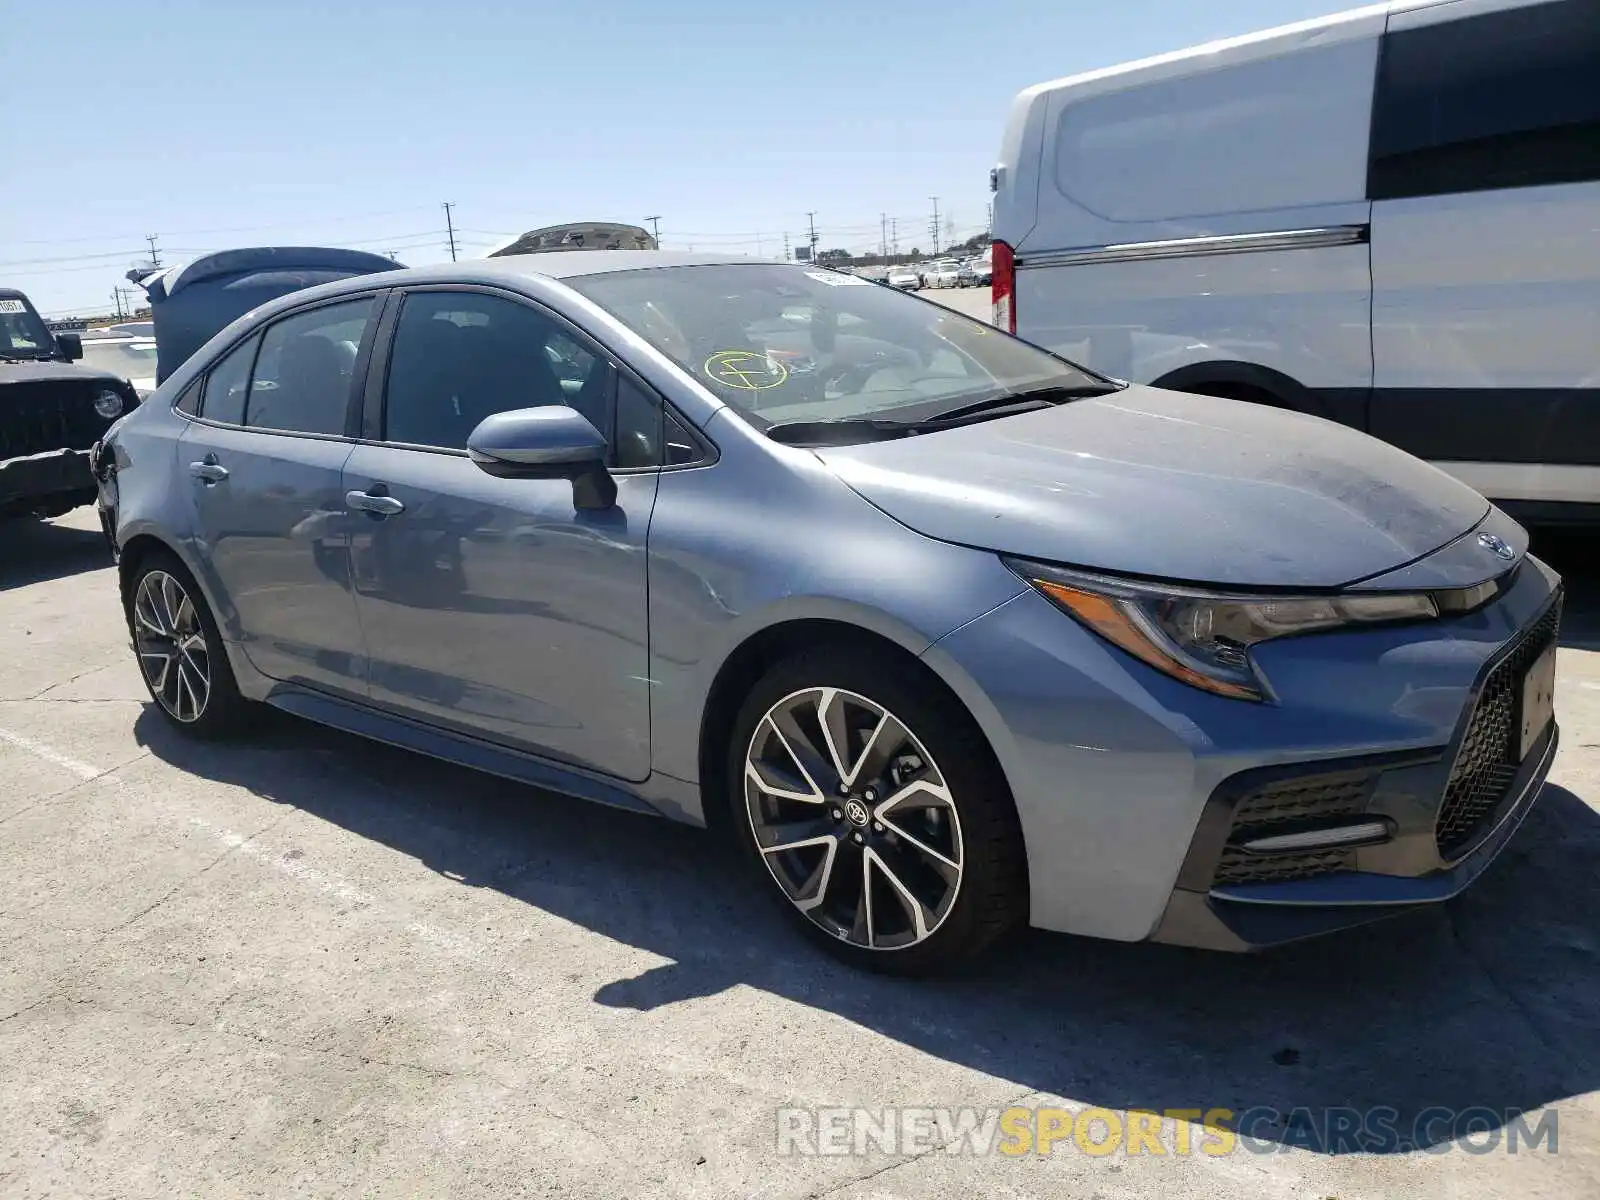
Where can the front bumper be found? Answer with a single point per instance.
(1128, 784)
(52, 476)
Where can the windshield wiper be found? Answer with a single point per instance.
(839, 432)
(1023, 401)
(845, 430)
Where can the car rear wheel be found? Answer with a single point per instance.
(876, 812)
(181, 657)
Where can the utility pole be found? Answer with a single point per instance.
(786, 252)
(450, 227)
(894, 235)
(883, 236)
(934, 226)
(655, 228)
(991, 216)
(811, 217)
(155, 255)
(393, 257)
(116, 294)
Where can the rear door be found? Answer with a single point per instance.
(264, 454)
(1485, 177)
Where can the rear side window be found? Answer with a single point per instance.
(1507, 99)
(226, 384)
(304, 373)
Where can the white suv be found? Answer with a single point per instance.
(1387, 217)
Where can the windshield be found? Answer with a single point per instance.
(784, 343)
(22, 333)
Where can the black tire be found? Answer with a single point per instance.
(224, 710)
(992, 895)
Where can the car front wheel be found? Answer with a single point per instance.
(877, 813)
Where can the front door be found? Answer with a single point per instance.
(264, 464)
(494, 606)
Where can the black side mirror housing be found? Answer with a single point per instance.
(70, 346)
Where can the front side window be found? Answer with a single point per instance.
(227, 383)
(789, 344)
(1502, 100)
(306, 368)
(459, 357)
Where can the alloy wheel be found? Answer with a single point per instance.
(853, 818)
(172, 648)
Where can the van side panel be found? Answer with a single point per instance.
(1486, 245)
(1301, 313)
(1261, 137)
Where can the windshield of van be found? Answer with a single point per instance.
(22, 333)
(786, 344)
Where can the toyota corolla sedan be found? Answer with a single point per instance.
(953, 634)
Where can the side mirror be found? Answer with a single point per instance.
(551, 442)
(70, 345)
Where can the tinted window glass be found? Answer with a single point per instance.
(786, 343)
(189, 402)
(638, 438)
(1503, 100)
(681, 447)
(226, 384)
(303, 375)
(459, 357)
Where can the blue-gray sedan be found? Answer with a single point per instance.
(953, 634)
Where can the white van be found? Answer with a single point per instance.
(1389, 217)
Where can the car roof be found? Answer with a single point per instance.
(565, 264)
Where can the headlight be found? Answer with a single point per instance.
(1204, 638)
(107, 403)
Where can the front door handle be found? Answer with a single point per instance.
(208, 472)
(383, 506)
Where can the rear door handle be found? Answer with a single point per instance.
(383, 506)
(208, 472)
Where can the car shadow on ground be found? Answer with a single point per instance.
(1486, 1007)
(33, 551)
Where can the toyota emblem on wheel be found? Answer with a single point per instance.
(856, 812)
(1497, 545)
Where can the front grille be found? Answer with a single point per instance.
(1282, 807)
(1487, 763)
(51, 414)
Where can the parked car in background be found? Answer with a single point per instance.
(1385, 217)
(945, 273)
(1305, 687)
(982, 269)
(905, 278)
(125, 356)
(52, 412)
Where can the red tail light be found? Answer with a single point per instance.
(1004, 288)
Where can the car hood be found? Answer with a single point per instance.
(33, 372)
(1168, 485)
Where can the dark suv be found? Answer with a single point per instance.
(52, 412)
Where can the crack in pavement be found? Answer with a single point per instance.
(906, 1162)
(292, 1047)
(188, 879)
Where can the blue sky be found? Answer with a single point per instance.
(219, 124)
